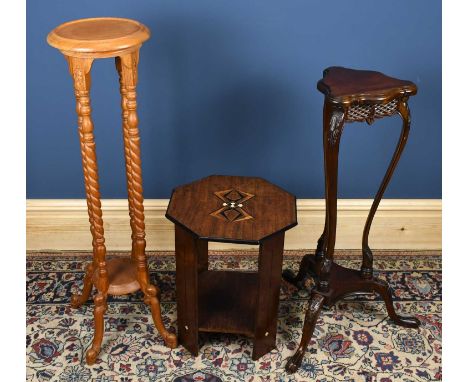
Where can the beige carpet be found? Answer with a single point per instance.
(353, 341)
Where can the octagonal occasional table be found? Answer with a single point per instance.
(230, 209)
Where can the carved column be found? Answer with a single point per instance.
(79, 69)
(127, 69)
(128, 75)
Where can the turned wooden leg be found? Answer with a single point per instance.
(313, 310)
(367, 257)
(152, 300)
(79, 299)
(80, 71)
(100, 307)
(270, 260)
(333, 122)
(127, 68)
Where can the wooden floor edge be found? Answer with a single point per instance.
(400, 224)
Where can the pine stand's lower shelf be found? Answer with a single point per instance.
(227, 302)
(122, 275)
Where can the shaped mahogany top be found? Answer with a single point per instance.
(345, 86)
(98, 37)
(232, 209)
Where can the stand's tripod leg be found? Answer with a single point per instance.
(315, 305)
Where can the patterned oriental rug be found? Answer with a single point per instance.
(353, 341)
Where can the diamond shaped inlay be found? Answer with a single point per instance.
(233, 195)
(233, 201)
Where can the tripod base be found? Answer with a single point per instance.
(343, 282)
(123, 279)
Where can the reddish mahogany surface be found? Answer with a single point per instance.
(345, 85)
(350, 96)
(267, 210)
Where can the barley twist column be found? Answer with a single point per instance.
(79, 69)
(127, 68)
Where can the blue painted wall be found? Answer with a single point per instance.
(229, 87)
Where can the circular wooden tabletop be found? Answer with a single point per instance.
(98, 37)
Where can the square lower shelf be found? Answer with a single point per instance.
(227, 301)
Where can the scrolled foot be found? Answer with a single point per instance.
(304, 268)
(295, 361)
(151, 293)
(384, 290)
(170, 339)
(91, 355)
(313, 310)
(406, 321)
(100, 307)
(79, 299)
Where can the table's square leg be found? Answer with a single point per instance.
(191, 253)
(270, 262)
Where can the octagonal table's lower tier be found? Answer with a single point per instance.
(227, 302)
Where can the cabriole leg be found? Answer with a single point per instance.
(384, 290)
(313, 310)
(367, 257)
(79, 299)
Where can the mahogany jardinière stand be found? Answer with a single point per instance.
(83, 41)
(230, 209)
(350, 96)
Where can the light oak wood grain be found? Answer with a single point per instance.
(62, 224)
(101, 37)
